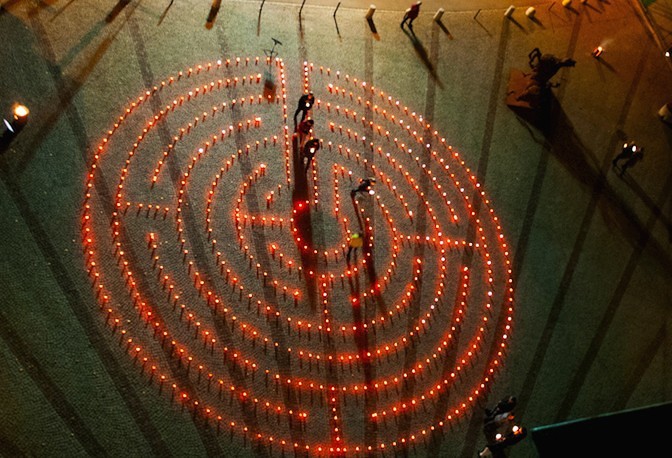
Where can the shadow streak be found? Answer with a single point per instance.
(66, 88)
(606, 64)
(603, 329)
(82, 44)
(58, 13)
(443, 27)
(424, 57)
(303, 224)
(518, 24)
(362, 342)
(165, 12)
(483, 27)
(582, 163)
(118, 8)
(588, 5)
(212, 15)
(373, 28)
(536, 21)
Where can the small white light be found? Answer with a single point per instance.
(8, 125)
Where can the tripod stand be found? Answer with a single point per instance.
(272, 53)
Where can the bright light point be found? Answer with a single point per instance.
(21, 111)
(442, 194)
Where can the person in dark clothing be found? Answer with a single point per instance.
(505, 405)
(309, 149)
(632, 160)
(500, 428)
(411, 14)
(305, 126)
(305, 104)
(365, 186)
(631, 154)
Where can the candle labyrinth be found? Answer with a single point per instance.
(222, 262)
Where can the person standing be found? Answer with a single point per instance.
(305, 126)
(305, 105)
(309, 149)
(356, 241)
(411, 14)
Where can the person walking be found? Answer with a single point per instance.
(631, 154)
(632, 160)
(411, 14)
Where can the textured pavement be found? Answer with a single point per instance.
(590, 252)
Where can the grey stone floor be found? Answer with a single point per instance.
(591, 254)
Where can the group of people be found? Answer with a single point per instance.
(500, 428)
(308, 144)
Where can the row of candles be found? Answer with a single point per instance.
(104, 296)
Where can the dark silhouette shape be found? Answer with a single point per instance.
(410, 15)
(165, 12)
(634, 158)
(121, 4)
(305, 104)
(561, 141)
(261, 7)
(311, 147)
(500, 429)
(424, 57)
(531, 90)
(365, 187)
(373, 28)
(444, 28)
(304, 127)
(212, 15)
(303, 223)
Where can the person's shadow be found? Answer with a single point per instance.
(303, 223)
(422, 54)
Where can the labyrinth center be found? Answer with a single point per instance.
(219, 264)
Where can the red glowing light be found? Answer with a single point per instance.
(421, 179)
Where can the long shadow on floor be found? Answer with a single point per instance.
(423, 55)
(563, 143)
